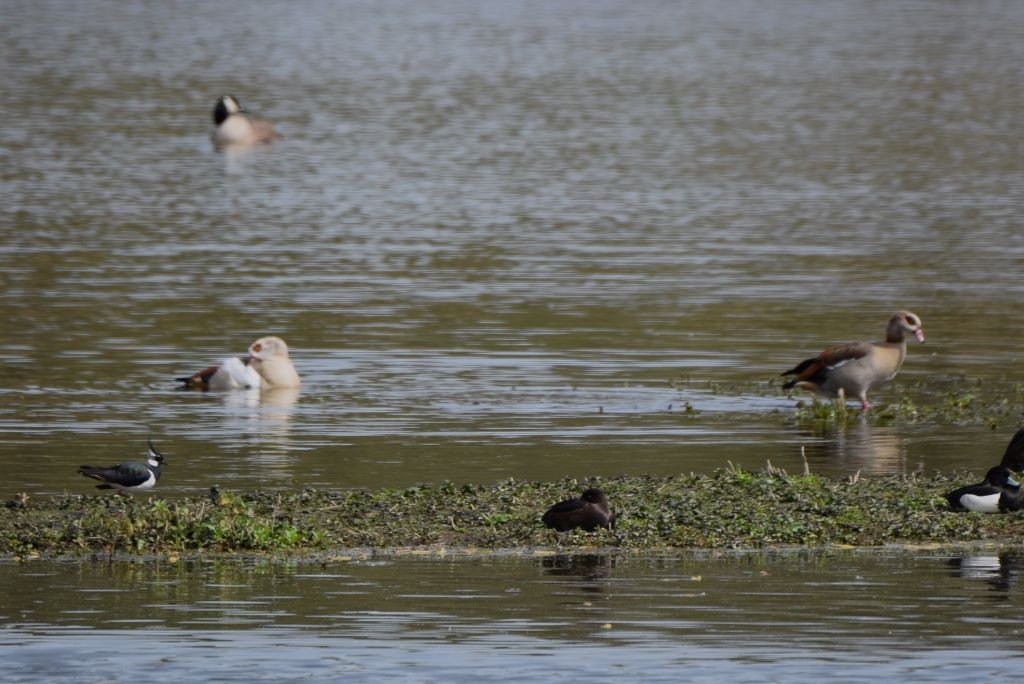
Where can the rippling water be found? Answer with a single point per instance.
(786, 617)
(528, 239)
(497, 235)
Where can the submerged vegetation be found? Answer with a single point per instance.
(730, 508)
(963, 406)
(950, 400)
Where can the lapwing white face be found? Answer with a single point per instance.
(153, 457)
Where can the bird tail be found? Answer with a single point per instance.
(800, 367)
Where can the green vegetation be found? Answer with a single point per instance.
(730, 508)
(964, 406)
(950, 400)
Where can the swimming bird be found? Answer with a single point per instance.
(234, 126)
(130, 476)
(998, 493)
(268, 366)
(1013, 457)
(856, 367)
(589, 512)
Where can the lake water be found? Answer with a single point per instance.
(922, 616)
(502, 239)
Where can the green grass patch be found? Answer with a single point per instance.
(731, 508)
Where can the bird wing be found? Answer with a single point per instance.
(1013, 458)
(264, 130)
(979, 497)
(241, 372)
(836, 356)
(127, 474)
(567, 506)
(200, 379)
(831, 358)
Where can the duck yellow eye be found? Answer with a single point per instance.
(257, 348)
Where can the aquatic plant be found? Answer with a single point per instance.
(961, 406)
(730, 508)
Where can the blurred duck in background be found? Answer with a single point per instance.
(234, 126)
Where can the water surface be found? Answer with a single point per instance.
(502, 239)
(788, 616)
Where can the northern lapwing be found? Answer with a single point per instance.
(130, 476)
(235, 128)
(588, 512)
(997, 493)
(851, 369)
(268, 366)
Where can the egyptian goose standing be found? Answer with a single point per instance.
(854, 368)
(267, 367)
(234, 126)
(589, 512)
(998, 493)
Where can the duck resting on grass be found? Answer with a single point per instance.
(998, 493)
(129, 476)
(267, 367)
(853, 368)
(588, 512)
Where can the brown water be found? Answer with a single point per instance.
(495, 234)
(781, 617)
(502, 239)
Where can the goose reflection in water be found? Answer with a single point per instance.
(267, 409)
(859, 446)
(999, 571)
(266, 416)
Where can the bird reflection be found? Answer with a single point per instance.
(274, 404)
(1000, 572)
(588, 567)
(858, 446)
(266, 415)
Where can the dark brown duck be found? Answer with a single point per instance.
(588, 512)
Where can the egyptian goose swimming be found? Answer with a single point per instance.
(129, 476)
(998, 493)
(234, 126)
(266, 367)
(856, 367)
(589, 512)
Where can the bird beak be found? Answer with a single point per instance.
(919, 334)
